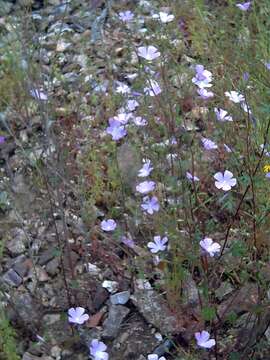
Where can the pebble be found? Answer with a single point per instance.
(12, 278)
(120, 298)
(111, 286)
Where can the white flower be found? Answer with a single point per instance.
(234, 96)
(203, 77)
(132, 105)
(148, 52)
(77, 315)
(145, 187)
(122, 88)
(154, 88)
(123, 118)
(191, 177)
(265, 152)
(209, 144)
(205, 94)
(163, 17)
(222, 115)
(155, 357)
(209, 246)
(158, 244)
(225, 181)
(150, 205)
(139, 121)
(203, 340)
(97, 350)
(146, 169)
(108, 225)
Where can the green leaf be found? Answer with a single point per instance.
(238, 248)
(208, 313)
(234, 356)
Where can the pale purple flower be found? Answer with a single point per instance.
(123, 118)
(265, 152)
(126, 16)
(128, 241)
(116, 129)
(191, 177)
(139, 121)
(267, 65)
(158, 244)
(244, 6)
(163, 17)
(234, 96)
(122, 88)
(146, 169)
(77, 315)
(154, 88)
(267, 175)
(155, 357)
(145, 187)
(245, 107)
(205, 94)
(209, 246)
(132, 105)
(245, 76)
(222, 115)
(209, 144)
(2, 139)
(227, 148)
(148, 52)
(150, 205)
(203, 77)
(224, 181)
(39, 94)
(108, 225)
(203, 340)
(98, 350)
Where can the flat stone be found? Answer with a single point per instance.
(240, 301)
(100, 297)
(16, 245)
(25, 306)
(50, 319)
(154, 309)
(11, 278)
(21, 265)
(120, 298)
(111, 286)
(46, 256)
(112, 324)
(52, 266)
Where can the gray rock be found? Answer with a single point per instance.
(21, 265)
(154, 309)
(120, 298)
(46, 256)
(27, 308)
(5, 7)
(16, 245)
(52, 266)
(50, 319)
(28, 356)
(133, 340)
(163, 348)
(190, 291)
(112, 324)
(11, 278)
(100, 297)
(224, 289)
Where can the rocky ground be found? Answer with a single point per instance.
(53, 256)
